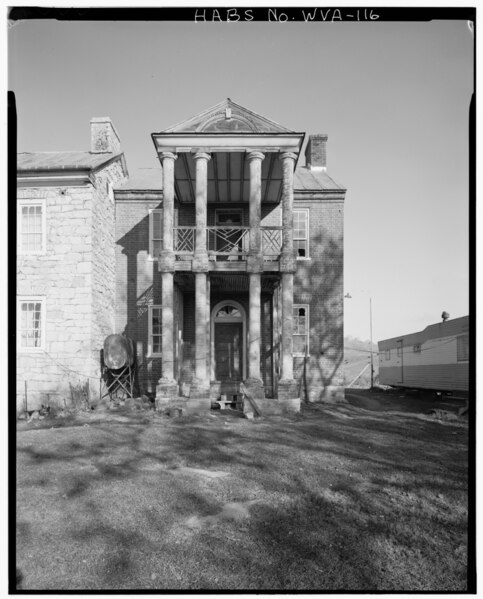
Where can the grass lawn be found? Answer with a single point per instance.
(338, 497)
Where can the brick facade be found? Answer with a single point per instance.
(98, 278)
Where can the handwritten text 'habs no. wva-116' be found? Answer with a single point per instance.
(232, 15)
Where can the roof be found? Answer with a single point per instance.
(144, 179)
(151, 179)
(53, 161)
(306, 179)
(228, 117)
(455, 326)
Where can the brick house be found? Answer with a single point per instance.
(228, 264)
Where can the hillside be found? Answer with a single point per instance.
(357, 355)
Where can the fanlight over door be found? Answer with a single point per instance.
(228, 332)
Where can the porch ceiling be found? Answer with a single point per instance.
(227, 283)
(228, 177)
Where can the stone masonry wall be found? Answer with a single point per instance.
(63, 275)
(75, 275)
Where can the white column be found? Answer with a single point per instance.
(254, 326)
(166, 265)
(201, 345)
(287, 265)
(288, 161)
(287, 326)
(168, 159)
(167, 316)
(255, 199)
(201, 160)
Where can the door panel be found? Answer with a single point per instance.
(228, 351)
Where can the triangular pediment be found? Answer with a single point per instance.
(228, 117)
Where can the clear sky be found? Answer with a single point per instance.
(392, 97)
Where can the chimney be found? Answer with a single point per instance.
(104, 137)
(315, 152)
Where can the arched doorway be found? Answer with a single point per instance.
(228, 335)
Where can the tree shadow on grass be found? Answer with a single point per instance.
(332, 483)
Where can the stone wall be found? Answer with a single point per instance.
(75, 275)
(63, 276)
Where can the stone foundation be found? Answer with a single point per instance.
(288, 389)
(330, 394)
(166, 390)
(254, 387)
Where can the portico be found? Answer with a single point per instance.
(228, 158)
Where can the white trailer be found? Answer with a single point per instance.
(436, 358)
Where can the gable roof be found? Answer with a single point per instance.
(308, 180)
(53, 161)
(227, 117)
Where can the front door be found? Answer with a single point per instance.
(228, 351)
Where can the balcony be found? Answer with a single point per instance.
(228, 247)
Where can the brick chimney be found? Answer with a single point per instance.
(316, 152)
(104, 137)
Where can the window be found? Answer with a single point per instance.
(31, 226)
(417, 348)
(155, 232)
(462, 348)
(301, 330)
(301, 233)
(31, 324)
(399, 349)
(387, 354)
(155, 331)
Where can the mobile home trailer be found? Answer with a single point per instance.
(435, 358)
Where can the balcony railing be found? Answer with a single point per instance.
(227, 243)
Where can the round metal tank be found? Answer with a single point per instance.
(118, 352)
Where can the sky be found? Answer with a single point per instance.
(392, 97)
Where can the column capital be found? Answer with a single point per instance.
(169, 155)
(201, 156)
(284, 155)
(255, 155)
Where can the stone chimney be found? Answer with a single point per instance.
(316, 152)
(104, 137)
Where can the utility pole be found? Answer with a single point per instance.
(372, 360)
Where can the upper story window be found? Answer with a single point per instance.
(155, 332)
(31, 323)
(417, 348)
(463, 347)
(399, 348)
(387, 354)
(301, 233)
(300, 329)
(31, 226)
(155, 232)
